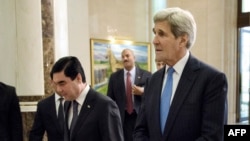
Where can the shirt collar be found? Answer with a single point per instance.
(132, 71)
(83, 95)
(179, 66)
(57, 97)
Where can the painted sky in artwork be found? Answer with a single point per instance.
(100, 51)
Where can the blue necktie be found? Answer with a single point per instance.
(165, 98)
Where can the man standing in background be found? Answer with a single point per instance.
(120, 89)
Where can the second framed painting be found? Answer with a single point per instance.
(106, 59)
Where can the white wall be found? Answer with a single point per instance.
(21, 46)
(119, 18)
(60, 28)
(8, 42)
(78, 26)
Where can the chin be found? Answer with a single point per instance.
(158, 58)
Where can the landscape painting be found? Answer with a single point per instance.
(106, 59)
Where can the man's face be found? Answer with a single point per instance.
(66, 87)
(159, 64)
(128, 59)
(168, 48)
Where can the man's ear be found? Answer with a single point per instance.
(79, 77)
(184, 40)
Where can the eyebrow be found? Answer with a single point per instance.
(60, 82)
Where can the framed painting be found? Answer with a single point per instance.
(106, 59)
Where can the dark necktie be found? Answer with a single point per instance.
(129, 94)
(75, 115)
(166, 98)
(61, 114)
(66, 130)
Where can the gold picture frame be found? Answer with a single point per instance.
(106, 59)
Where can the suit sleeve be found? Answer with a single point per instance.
(214, 98)
(111, 126)
(141, 132)
(15, 118)
(110, 92)
(38, 130)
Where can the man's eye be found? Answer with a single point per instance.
(62, 84)
(160, 33)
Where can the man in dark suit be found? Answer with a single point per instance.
(199, 91)
(11, 128)
(91, 115)
(117, 90)
(46, 120)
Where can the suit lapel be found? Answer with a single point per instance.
(185, 84)
(156, 98)
(67, 105)
(137, 76)
(122, 84)
(53, 113)
(136, 82)
(87, 107)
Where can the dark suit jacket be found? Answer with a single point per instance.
(98, 120)
(46, 120)
(197, 109)
(117, 90)
(11, 128)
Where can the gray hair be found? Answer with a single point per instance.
(181, 22)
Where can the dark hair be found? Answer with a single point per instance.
(71, 67)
